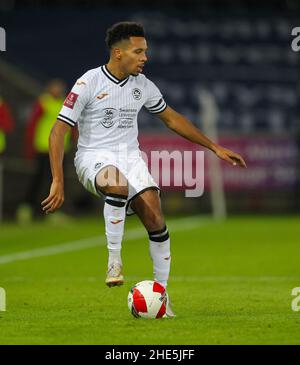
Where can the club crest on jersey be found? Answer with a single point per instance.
(136, 93)
(109, 117)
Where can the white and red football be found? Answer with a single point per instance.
(147, 299)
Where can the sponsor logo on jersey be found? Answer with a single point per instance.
(136, 93)
(109, 118)
(70, 100)
(101, 96)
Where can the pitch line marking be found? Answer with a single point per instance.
(204, 278)
(186, 278)
(82, 244)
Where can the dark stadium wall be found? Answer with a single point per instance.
(242, 55)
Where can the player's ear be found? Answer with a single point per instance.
(117, 53)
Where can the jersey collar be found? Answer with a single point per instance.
(113, 78)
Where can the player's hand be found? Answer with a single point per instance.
(233, 158)
(55, 198)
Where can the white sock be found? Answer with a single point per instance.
(114, 216)
(160, 254)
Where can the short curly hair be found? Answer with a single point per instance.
(121, 31)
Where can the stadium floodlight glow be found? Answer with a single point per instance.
(2, 39)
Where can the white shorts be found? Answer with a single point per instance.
(134, 168)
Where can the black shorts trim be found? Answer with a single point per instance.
(119, 196)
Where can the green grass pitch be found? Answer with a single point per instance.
(230, 283)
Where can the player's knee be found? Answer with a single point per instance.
(113, 190)
(111, 181)
(116, 190)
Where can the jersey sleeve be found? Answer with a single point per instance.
(75, 102)
(155, 102)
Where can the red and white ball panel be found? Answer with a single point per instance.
(147, 299)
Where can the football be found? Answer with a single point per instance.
(147, 299)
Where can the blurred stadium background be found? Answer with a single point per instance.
(237, 52)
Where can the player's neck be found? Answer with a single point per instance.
(114, 69)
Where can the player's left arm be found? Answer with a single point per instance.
(182, 126)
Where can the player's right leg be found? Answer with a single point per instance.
(112, 183)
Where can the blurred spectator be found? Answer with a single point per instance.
(6, 123)
(41, 120)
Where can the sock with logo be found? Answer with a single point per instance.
(160, 254)
(114, 216)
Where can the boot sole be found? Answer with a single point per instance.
(114, 283)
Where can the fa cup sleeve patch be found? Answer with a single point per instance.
(70, 100)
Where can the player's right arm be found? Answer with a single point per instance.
(182, 126)
(70, 112)
(55, 198)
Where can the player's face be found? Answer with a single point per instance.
(133, 55)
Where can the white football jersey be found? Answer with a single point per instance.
(106, 109)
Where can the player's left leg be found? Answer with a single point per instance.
(148, 208)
